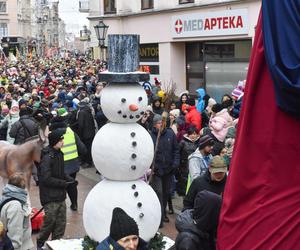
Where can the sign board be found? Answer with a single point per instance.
(149, 52)
(216, 23)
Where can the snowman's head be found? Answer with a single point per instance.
(124, 102)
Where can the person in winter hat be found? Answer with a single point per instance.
(213, 180)
(197, 227)
(52, 185)
(124, 233)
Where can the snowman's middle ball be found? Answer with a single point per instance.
(122, 151)
(124, 102)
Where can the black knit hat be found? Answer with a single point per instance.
(205, 141)
(55, 136)
(122, 225)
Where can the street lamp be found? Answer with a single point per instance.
(101, 30)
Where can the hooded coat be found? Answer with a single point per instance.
(201, 103)
(197, 227)
(193, 117)
(15, 216)
(220, 123)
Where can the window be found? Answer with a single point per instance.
(147, 4)
(109, 7)
(186, 1)
(3, 7)
(3, 30)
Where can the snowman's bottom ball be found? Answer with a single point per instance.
(136, 198)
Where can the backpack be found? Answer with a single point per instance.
(6, 201)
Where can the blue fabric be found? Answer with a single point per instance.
(281, 30)
(201, 104)
(106, 243)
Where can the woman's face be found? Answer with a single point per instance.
(183, 98)
(129, 242)
(157, 104)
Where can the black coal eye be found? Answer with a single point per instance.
(140, 98)
(123, 100)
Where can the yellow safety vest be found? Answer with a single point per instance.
(69, 149)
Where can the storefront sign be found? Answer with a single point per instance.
(219, 23)
(149, 52)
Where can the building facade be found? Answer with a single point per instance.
(15, 25)
(194, 43)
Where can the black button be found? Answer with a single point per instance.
(142, 113)
(119, 112)
(132, 134)
(137, 116)
(134, 143)
(140, 98)
(131, 117)
(139, 204)
(133, 186)
(133, 156)
(136, 194)
(141, 215)
(133, 167)
(123, 100)
(124, 116)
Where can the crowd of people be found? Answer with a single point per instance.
(193, 137)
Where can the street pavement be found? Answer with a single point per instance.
(87, 179)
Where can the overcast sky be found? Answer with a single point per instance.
(68, 11)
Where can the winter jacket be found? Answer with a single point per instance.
(86, 122)
(52, 179)
(198, 164)
(110, 244)
(23, 129)
(15, 216)
(193, 117)
(186, 148)
(6, 244)
(201, 183)
(167, 155)
(220, 123)
(201, 104)
(189, 236)
(7, 122)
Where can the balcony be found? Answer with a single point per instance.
(84, 6)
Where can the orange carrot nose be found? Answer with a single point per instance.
(133, 107)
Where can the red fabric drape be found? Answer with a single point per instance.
(261, 204)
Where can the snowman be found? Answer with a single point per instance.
(122, 150)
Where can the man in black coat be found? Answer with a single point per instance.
(86, 128)
(213, 180)
(53, 184)
(166, 161)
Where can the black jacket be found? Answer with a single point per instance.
(86, 123)
(187, 147)
(201, 183)
(189, 236)
(23, 129)
(52, 179)
(167, 155)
